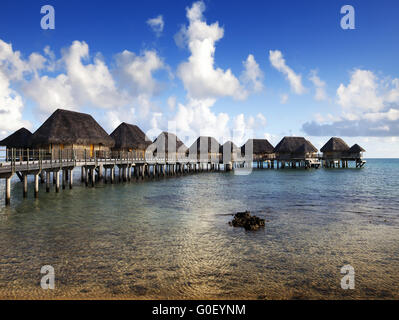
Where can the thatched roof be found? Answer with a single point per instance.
(19, 139)
(335, 145)
(260, 146)
(129, 136)
(69, 127)
(209, 143)
(164, 137)
(294, 145)
(229, 144)
(356, 149)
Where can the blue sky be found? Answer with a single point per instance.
(104, 58)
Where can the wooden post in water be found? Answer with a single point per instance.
(70, 176)
(112, 173)
(82, 177)
(63, 178)
(100, 172)
(124, 173)
(105, 175)
(25, 189)
(86, 176)
(41, 177)
(8, 190)
(36, 193)
(93, 176)
(129, 172)
(48, 181)
(57, 180)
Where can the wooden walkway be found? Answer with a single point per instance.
(102, 165)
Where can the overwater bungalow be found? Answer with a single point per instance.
(355, 153)
(229, 147)
(229, 152)
(206, 149)
(262, 150)
(296, 151)
(19, 140)
(71, 130)
(168, 145)
(334, 151)
(130, 138)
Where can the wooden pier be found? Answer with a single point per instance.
(102, 166)
(111, 167)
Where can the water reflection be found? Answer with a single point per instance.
(171, 239)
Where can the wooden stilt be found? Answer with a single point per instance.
(63, 178)
(100, 172)
(25, 189)
(86, 176)
(93, 177)
(70, 178)
(48, 181)
(8, 191)
(36, 193)
(57, 181)
(41, 177)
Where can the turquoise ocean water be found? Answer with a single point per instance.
(170, 237)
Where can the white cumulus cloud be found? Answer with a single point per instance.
(11, 107)
(137, 71)
(277, 61)
(157, 24)
(320, 86)
(199, 76)
(252, 76)
(370, 108)
(361, 93)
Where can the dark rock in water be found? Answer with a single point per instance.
(245, 220)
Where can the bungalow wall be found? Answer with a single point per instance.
(78, 149)
(296, 156)
(210, 156)
(334, 155)
(137, 153)
(263, 156)
(353, 155)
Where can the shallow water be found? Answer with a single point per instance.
(170, 238)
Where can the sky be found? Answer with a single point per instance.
(230, 69)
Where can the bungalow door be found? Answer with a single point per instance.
(91, 150)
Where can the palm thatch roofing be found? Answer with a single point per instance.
(356, 149)
(335, 145)
(229, 144)
(19, 139)
(259, 146)
(199, 145)
(129, 136)
(69, 127)
(294, 145)
(163, 139)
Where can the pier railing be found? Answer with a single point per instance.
(35, 159)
